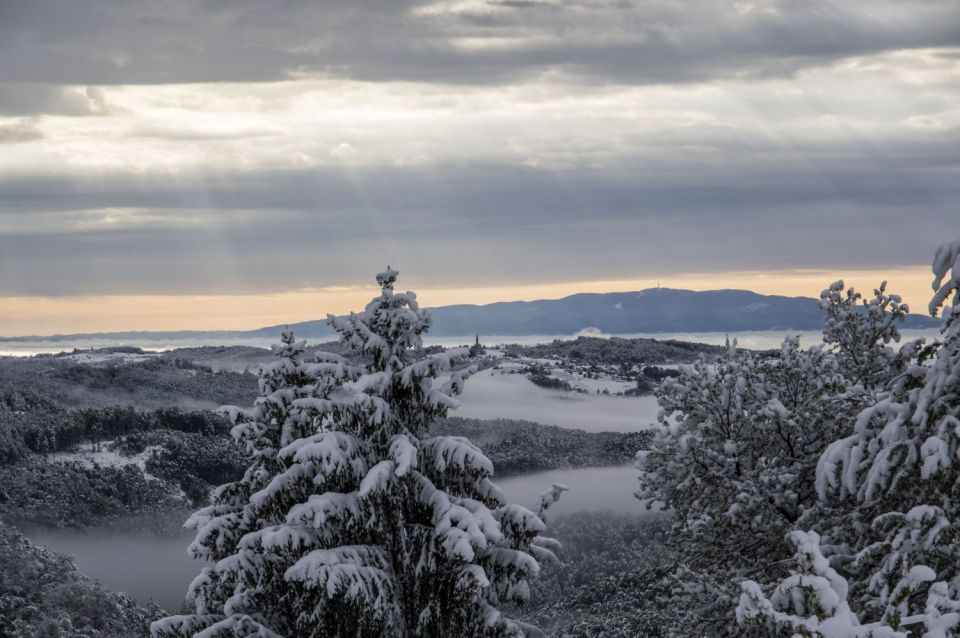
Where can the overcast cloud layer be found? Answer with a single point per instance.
(200, 147)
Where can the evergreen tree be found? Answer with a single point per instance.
(351, 521)
(736, 452)
(812, 601)
(897, 478)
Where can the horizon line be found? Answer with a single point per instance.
(792, 284)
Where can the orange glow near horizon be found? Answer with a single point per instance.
(106, 313)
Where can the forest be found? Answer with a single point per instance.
(803, 491)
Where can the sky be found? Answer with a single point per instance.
(212, 164)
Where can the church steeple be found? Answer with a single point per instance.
(476, 349)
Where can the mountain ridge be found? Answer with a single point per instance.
(651, 310)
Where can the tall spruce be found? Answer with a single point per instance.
(352, 520)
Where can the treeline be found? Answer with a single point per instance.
(616, 350)
(610, 579)
(43, 428)
(516, 447)
(190, 452)
(540, 375)
(36, 493)
(646, 378)
(194, 461)
(43, 594)
(814, 491)
(156, 382)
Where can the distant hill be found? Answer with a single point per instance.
(655, 310)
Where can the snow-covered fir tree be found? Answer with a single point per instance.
(896, 476)
(812, 601)
(737, 446)
(351, 520)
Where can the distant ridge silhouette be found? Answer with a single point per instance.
(654, 310)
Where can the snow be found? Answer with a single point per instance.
(378, 479)
(404, 453)
(456, 452)
(551, 495)
(816, 594)
(946, 258)
(357, 572)
(513, 396)
(105, 457)
(320, 507)
(97, 357)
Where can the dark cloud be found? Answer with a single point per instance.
(476, 223)
(778, 184)
(646, 41)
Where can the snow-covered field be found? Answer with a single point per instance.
(100, 357)
(104, 457)
(513, 396)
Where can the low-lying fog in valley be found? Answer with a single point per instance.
(110, 449)
(156, 567)
(592, 392)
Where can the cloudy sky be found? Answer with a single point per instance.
(239, 163)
